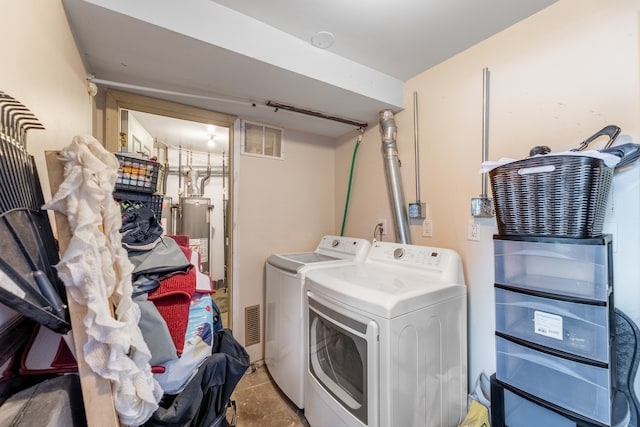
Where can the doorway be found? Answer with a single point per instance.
(195, 149)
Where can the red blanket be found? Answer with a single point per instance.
(172, 298)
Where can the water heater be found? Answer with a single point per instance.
(166, 218)
(195, 221)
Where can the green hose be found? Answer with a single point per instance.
(346, 203)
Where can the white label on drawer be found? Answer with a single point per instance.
(548, 324)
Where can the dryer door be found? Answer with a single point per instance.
(343, 355)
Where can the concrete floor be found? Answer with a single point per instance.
(260, 403)
(221, 298)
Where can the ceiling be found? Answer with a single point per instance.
(186, 136)
(237, 56)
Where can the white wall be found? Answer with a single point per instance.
(283, 206)
(556, 78)
(141, 135)
(42, 69)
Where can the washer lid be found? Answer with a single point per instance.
(329, 249)
(381, 290)
(309, 257)
(294, 262)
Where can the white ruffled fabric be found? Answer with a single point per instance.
(97, 272)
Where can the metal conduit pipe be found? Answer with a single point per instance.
(416, 145)
(485, 127)
(215, 171)
(179, 169)
(165, 175)
(388, 132)
(204, 180)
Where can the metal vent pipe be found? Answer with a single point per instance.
(388, 132)
(206, 178)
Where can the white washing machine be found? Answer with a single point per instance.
(387, 340)
(285, 310)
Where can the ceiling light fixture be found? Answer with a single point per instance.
(323, 39)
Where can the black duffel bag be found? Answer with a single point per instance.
(204, 401)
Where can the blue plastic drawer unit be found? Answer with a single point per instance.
(579, 387)
(575, 328)
(555, 265)
(520, 412)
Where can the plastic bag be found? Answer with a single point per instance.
(199, 339)
(481, 392)
(478, 416)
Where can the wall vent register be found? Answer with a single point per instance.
(262, 141)
(252, 325)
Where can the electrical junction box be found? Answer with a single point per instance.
(482, 207)
(417, 210)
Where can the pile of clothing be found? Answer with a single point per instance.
(196, 362)
(178, 316)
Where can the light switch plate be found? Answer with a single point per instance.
(427, 228)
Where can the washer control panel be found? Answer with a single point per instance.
(408, 254)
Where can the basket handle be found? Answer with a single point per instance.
(536, 169)
(612, 131)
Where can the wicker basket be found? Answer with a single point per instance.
(562, 195)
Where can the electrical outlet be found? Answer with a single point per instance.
(384, 225)
(473, 231)
(427, 228)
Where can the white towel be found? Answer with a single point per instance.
(96, 271)
(610, 160)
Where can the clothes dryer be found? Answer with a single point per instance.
(387, 340)
(285, 307)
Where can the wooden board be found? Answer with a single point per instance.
(96, 391)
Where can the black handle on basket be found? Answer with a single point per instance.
(612, 131)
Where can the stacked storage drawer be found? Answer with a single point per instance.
(554, 330)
